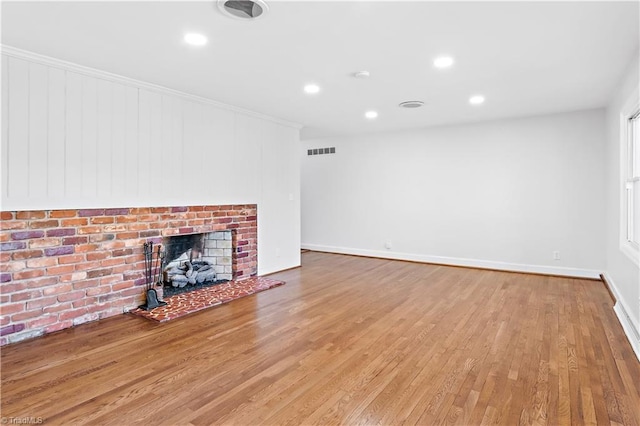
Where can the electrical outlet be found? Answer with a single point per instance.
(277, 252)
(556, 255)
(387, 245)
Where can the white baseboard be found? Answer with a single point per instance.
(629, 325)
(629, 329)
(454, 261)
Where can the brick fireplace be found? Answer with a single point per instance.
(61, 268)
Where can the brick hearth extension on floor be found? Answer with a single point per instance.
(61, 268)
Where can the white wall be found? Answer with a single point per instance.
(503, 194)
(78, 138)
(622, 273)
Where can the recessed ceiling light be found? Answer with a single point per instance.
(476, 100)
(311, 89)
(195, 39)
(371, 115)
(443, 62)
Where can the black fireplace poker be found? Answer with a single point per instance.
(153, 275)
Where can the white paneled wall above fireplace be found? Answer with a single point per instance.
(74, 137)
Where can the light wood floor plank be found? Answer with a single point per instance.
(348, 340)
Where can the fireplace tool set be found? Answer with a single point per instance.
(153, 264)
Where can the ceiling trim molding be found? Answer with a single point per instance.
(93, 72)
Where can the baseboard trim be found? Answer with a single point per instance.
(608, 287)
(266, 274)
(453, 261)
(631, 330)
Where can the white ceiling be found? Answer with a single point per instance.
(527, 58)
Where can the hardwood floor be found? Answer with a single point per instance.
(347, 340)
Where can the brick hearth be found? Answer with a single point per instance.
(61, 268)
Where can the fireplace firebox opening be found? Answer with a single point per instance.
(196, 260)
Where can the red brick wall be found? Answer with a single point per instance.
(60, 268)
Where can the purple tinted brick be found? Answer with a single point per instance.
(74, 240)
(91, 212)
(10, 329)
(61, 232)
(57, 251)
(179, 209)
(25, 235)
(5, 278)
(13, 245)
(115, 212)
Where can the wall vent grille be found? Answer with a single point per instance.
(321, 151)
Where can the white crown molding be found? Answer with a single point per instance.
(96, 73)
(454, 261)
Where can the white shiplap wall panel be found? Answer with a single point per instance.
(118, 142)
(73, 136)
(144, 144)
(129, 192)
(101, 142)
(222, 143)
(18, 143)
(89, 145)
(38, 130)
(241, 153)
(155, 148)
(186, 149)
(249, 137)
(55, 170)
(174, 166)
(209, 154)
(259, 139)
(194, 180)
(195, 155)
(165, 144)
(5, 126)
(77, 138)
(104, 147)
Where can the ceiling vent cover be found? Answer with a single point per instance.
(243, 9)
(411, 104)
